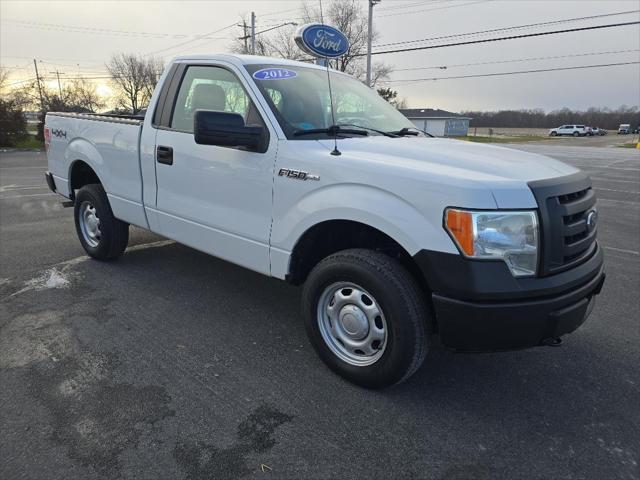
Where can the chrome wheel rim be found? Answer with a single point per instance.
(89, 224)
(352, 324)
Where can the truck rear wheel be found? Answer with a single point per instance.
(102, 236)
(365, 317)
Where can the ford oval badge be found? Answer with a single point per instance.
(321, 40)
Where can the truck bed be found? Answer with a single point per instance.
(109, 144)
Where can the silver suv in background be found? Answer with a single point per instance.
(573, 130)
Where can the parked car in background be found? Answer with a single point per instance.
(573, 130)
(591, 131)
(624, 129)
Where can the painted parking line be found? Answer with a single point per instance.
(13, 186)
(614, 190)
(621, 250)
(600, 179)
(25, 196)
(22, 168)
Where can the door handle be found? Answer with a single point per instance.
(164, 155)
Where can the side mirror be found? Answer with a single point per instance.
(227, 130)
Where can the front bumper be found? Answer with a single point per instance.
(480, 306)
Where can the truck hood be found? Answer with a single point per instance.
(488, 163)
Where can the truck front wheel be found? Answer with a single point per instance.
(102, 236)
(365, 316)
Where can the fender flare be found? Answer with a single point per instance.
(375, 207)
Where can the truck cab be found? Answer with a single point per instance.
(394, 236)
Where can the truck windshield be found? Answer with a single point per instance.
(299, 98)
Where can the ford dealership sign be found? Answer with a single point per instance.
(322, 40)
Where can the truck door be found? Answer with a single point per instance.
(215, 199)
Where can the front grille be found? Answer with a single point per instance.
(564, 204)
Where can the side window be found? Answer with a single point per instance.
(209, 88)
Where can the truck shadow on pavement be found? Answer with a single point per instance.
(172, 354)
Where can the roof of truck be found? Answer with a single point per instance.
(246, 59)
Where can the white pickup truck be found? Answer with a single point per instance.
(396, 236)
(572, 130)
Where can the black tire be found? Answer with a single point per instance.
(553, 134)
(402, 304)
(576, 134)
(114, 233)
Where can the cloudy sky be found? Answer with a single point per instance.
(77, 37)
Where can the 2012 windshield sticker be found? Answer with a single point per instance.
(274, 74)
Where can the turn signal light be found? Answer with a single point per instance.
(460, 225)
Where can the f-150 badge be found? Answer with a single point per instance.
(297, 174)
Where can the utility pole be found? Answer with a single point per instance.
(245, 37)
(369, 39)
(253, 33)
(35, 64)
(59, 86)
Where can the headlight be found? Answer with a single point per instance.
(500, 235)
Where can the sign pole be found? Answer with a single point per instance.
(369, 40)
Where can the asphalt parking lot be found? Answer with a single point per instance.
(170, 364)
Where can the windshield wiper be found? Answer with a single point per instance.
(386, 134)
(408, 131)
(331, 131)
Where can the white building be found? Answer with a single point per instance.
(438, 123)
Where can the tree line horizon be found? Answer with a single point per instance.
(603, 117)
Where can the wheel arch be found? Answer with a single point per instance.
(331, 236)
(85, 161)
(81, 173)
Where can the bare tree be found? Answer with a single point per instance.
(277, 43)
(346, 15)
(83, 93)
(351, 19)
(4, 76)
(135, 77)
(79, 95)
(391, 96)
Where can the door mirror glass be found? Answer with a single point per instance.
(226, 129)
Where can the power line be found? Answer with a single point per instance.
(512, 37)
(422, 3)
(518, 27)
(21, 81)
(516, 60)
(93, 30)
(54, 58)
(436, 8)
(270, 14)
(192, 40)
(520, 72)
